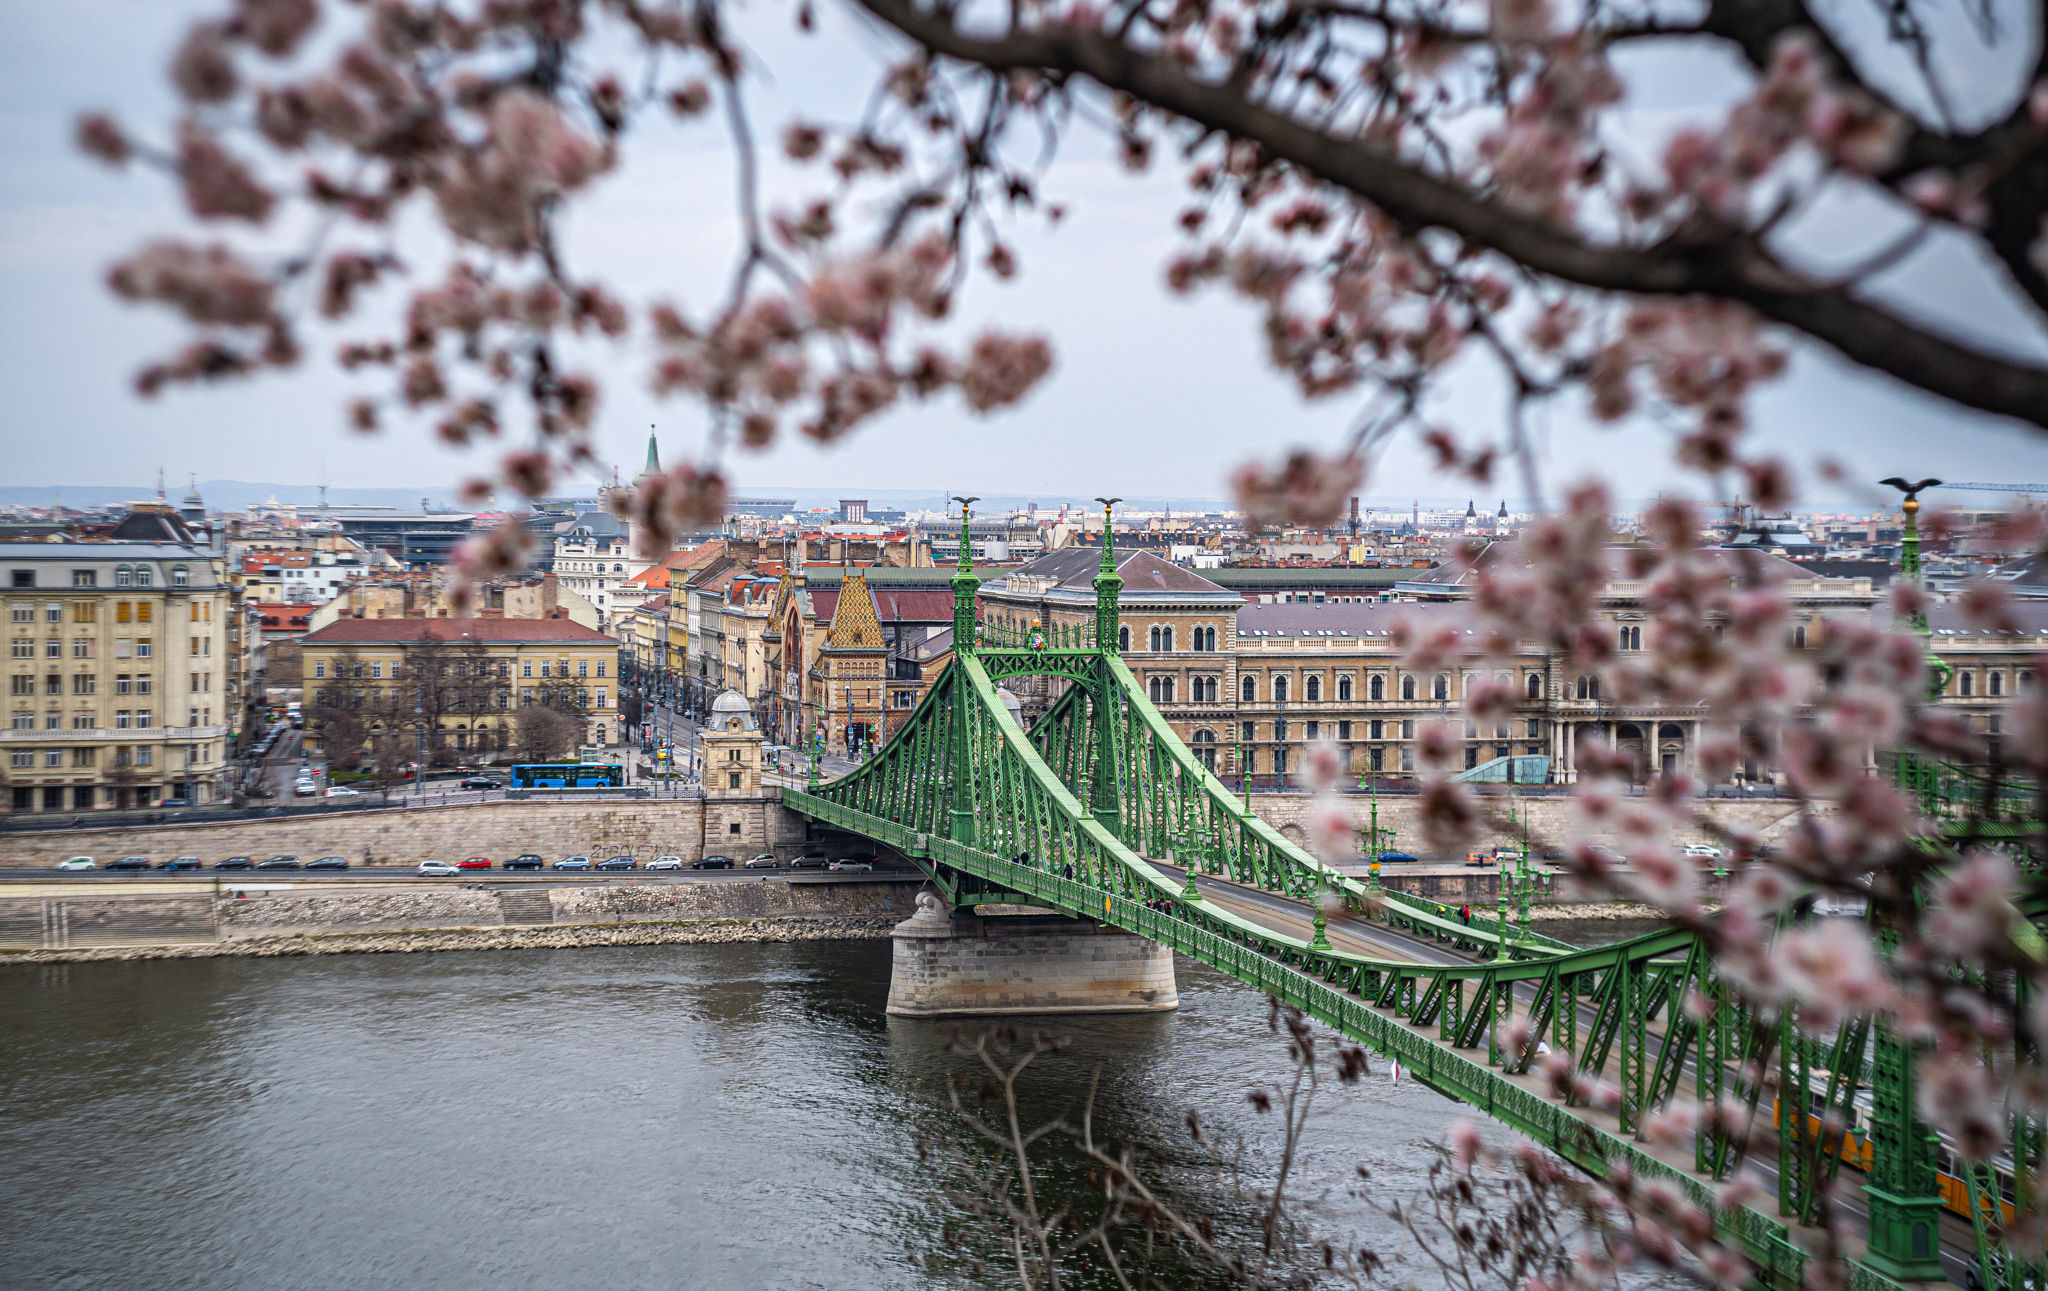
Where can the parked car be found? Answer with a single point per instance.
(852, 863)
(339, 791)
(304, 789)
(279, 863)
(1705, 850)
(175, 802)
(712, 863)
(481, 782)
(328, 863)
(618, 863)
(237, 863)
(810, 863)
(182, 863)
(75, 863)
(474, 863)
(436, 869)
(765, 861)
(573, 863)
(527, 862)
(132, 863)
(665, 863)
(1389, 858)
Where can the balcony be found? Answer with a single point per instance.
(108, 735)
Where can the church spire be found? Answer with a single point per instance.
(653, 466)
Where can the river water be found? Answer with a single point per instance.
(719, 1116)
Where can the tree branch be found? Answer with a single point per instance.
(1729, 267)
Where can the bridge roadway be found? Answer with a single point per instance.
(1293, 918)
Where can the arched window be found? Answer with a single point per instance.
(124, 577)
(1166, 638)
(1205, 748)
(1670, 731)
(1376, 689)
(179, 577)
(1407, 687)
(1279, 690)
(1248, 690)
(1166, 688)
(1965, 684)
(1344, 688)
(1152, 639)
(1535, 686)
(1799, 638)
(1312, 689)
(1994, 683)
(1152, 689)
(1123, 639)
(1440, 688)
(1205, 639)
(142, 576)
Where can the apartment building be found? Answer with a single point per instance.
(460, 683)
(120, 673)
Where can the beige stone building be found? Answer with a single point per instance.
(121, 667)
(462, 682)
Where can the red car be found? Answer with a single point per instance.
(474, 863)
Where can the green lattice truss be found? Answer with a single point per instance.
(1074, 815)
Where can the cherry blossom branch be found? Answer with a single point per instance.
(1698, 260)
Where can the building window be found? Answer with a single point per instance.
(1966, 685)
(1280, 731)
(144, 756)
(1279, 690)
(526, 669)
(1994, 683)
(319, 667)
(53, 612)
(600, 667)
(53, 649)
(81, 648)
(1312, 689)
(1343, 730)
(142, 718)
(124, 577)
(24, 578)
(1632, 639)
(583, 667)
(84, 684)
(1311, 730)
(123, 720)
(142, 684)
(1407, 687)
(1344, 688)
(179, 578)
(1799, 638)
(1374, 728)
(1535, 727)
(85, 578)
(25, 611)
(142, 580)
(22, 758)
(1535, 686)
(1440, 688)
(1589, 688)
(1123, 640)
(1248, 690)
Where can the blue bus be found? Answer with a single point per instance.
(566, 775)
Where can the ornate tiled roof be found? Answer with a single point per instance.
(855, 625)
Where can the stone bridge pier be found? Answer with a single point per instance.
(1020, 959)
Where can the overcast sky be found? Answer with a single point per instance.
(1152, 394)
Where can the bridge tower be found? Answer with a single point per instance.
(1902, 1191)
(1102, 799)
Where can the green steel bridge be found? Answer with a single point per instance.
(1100, 811)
